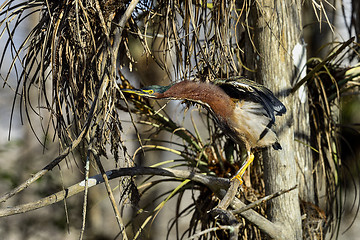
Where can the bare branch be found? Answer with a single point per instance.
(217, 185)
(110, 194)
(275, 231)
(262, 200)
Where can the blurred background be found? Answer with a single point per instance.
(22, 149)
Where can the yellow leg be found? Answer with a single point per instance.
(240, 173)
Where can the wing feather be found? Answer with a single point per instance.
(242, 88)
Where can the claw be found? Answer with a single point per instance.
(238, 177)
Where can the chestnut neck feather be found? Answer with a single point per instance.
(220, 103)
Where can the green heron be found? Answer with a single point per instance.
(244, 109)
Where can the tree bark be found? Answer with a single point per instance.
(277, 32)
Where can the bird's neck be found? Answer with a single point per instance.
(212, 95)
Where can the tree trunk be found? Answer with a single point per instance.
(278, 41)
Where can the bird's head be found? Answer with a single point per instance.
(154, 91)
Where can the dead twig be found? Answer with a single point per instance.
(262, 200)
(110, 194)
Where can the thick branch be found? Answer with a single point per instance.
(217, 185)
(214, 183)
(275, 231)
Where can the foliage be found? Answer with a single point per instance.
(71, 60)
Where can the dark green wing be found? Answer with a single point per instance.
(241, 88)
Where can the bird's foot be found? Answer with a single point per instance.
(239, 178)
(235, 183)
(240, 173)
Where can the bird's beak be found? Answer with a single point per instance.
(140, 92)
(133, 91)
